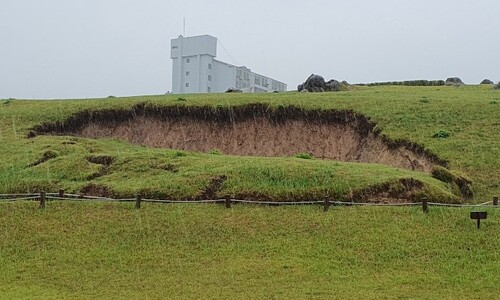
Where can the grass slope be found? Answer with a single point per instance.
(112, 251)
(469, 114)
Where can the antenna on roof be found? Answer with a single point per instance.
(184, 27)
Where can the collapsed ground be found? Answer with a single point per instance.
(259, 130)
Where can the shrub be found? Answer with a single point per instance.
(111, 97)
(215, 152)
(411, 83)
(179, 154)
(497, 86)
(441, 134)
(424, 100)
(305, 155)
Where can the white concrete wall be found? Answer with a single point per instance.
(224, 77)
(191, 72)
(190, 57)
(192, 46)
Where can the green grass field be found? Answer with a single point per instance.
(469, 114)
(112, 251)
(185, 251)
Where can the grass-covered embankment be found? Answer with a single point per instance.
(464, 120)
(185, 251)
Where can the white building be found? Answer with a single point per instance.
(195, 70)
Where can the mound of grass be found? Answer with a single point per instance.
(471, 148)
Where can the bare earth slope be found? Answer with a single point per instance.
(252, 130)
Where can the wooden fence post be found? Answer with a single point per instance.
(42, 200)
(495, 201)
(425, 207)
(228, 202)
(138, 200)
(326, 204)
(61, 193)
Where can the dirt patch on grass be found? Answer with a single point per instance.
(210, 191)
(46, 156)
(403, 190)
(97, 190)
(251, 130)
(104, 160)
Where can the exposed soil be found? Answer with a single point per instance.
(213, 187)
(92, 189)
(253, 130)
(46, 156)
(101, 160)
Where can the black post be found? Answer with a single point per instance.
(425, 207)
(326, 205)
(478, 223)
(138, 200)
(42, 200)
(495, 201)
(61, 193)
(228, 202)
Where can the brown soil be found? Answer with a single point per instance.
(253, 130)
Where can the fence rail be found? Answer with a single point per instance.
(43, 197)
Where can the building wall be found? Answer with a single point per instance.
(195, 70)
(224, 76)
(190, 58)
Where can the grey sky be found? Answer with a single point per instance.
(96, 48)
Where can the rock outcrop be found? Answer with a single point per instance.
(316, 84)
(454, 81)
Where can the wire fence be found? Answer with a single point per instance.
(43, 197)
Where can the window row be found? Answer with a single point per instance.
(209, 89)
(188, 60)
(209, 76)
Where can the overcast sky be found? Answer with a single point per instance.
(95, 48)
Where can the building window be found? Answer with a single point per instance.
(187, 73)
(209, 77)
(188, 60)
(275, 85)
(187, 84)
(174, 47)
(209, 89)
(257, 79)
(210, 66)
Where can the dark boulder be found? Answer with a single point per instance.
(314, 84)
(317, 84)
(233, 90)
(486, 81)
(454, 81)
(333, 85)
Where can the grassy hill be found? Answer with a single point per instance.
(459, 125)
(185, 251)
